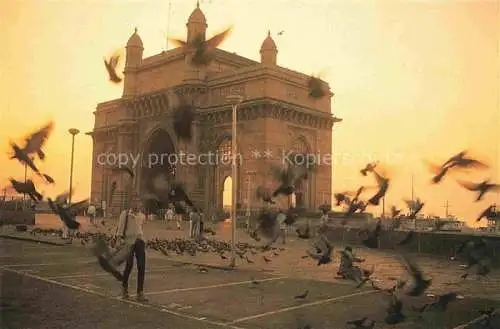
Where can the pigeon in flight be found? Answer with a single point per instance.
(36, 140)
(201, 49)
(264, 194)
(489, 212)
(368, 168)
(383, 184)
(110, 65)
(28, 188)
(482, 188)
(326, 248)
(420, 284)
(315, 88)
(415, 206)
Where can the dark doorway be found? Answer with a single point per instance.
(158, 159)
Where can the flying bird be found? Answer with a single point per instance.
(441, 303)
(111, 65)
(288, 179)
(395, 311)
(65, 214)
(315, 86)
(264, 194)
(200, 49)
(49, 179)
(459, 160)
(395, 212)
(36, 140)
(340, 198)
(438, 171)
(368, 168)
(27, 187)
(420, 284)
(325, 254)
(415, 206)
(482, 188)
(383, 185)
(489, 212)
(281, 32)
(23, 157)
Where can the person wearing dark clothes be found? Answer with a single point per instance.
(130, 229)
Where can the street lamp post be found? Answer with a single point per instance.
(73, 132)
(235, 100)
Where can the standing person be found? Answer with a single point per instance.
(281, 222)
(91, 213)
(169, 215)
(194, 223)
(202, 223)
(130, 230)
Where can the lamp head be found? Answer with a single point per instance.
(73, 131)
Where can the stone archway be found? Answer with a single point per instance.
(226, 193)
(222, 169)
(158, 157)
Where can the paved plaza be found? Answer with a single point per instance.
(62, 286)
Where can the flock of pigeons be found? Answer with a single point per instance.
(475, 252)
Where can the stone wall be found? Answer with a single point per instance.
(437, 243)
(9, 217)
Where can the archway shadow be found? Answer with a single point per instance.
(158, 164)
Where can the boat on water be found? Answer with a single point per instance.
(432, 223)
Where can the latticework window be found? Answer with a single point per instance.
(299, 146)
(225, 150)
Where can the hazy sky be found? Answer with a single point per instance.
(412, 79)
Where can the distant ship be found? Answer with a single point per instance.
(431, 223)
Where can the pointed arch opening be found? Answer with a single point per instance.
(158, 159)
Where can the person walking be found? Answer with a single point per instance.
(91, 213)
(281, 218)
(202, 224)
(169, 215)
(194, 223)
(130, 231)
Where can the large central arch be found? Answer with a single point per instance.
(158, 157)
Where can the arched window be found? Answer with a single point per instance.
(225, 150)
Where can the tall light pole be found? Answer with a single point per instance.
(73, 132)
(235, 100)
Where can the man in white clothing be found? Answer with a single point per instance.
(130, 231)
(194, 223)
(169, 215)
(91, 212)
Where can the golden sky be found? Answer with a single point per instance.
(412, 79)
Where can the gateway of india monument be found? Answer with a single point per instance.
(276, 116)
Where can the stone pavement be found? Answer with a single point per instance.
(58, 287)
(445, 273)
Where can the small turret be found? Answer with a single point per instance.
(268, 51)
(196, 24)
(133, 60)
